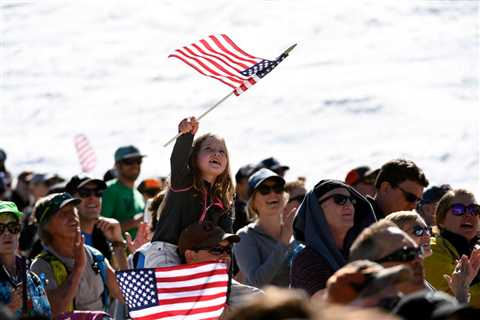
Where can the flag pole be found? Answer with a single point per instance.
(202, 115)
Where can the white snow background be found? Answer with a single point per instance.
(368, 82)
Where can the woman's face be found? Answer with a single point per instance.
(421, 234)
(338, 209)
(269, 199)
(465, 224)
(10, 234)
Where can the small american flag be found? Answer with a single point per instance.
(218, 57)
(85, 153)
(189, 292)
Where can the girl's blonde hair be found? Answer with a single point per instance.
(223, 186)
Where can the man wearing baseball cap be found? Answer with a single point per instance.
(121, 200)
(206, 242)
(97, 231)
(79, 277)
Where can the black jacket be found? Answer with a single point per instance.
(183, 204)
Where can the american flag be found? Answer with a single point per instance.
(85, 152)
(218, 57)
(189, 291)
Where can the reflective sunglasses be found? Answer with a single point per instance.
(132, 161)
(339, 199)
(405, 254)
(419, 231)
(410, 197)
(297, 198)
(87, 192)
(264, 189)
(219, 250)
(459, 209)
(12, 227)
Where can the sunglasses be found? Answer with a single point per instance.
(12, 227)
(130, 162)
(410, 197)
(87, 192)
(339, 199)
(459, 209)
(264, 189)
(297, 198)
(219, 250)
(405, 254)
(419, 231)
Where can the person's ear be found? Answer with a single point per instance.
(385, 186)
(190, 256)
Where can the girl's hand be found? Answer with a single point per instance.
(287, 226)
(188, 125)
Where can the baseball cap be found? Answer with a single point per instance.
(3, 155)
(127, 152)
(80, 180)
(244, 172)
(434, 305)
(363, 278)
(10, 207)
(272, 164)
(259, 177)
(361, 174)
(47, 206)
(200, 236)
(435, 193)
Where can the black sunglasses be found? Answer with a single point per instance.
(419, 231)
(410, 197)
(459, 209)
(87, 192)
(219, 250)
(132, 161)
(264, 189)
(339, 199)
(12, 227)
(405, 254)
(297, 198)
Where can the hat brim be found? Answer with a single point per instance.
(133, 155)
(232, 238)
(98, 182)
(272, 177)
(74, 201)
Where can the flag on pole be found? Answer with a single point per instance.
(189, 291)
(218, 57)
(85, 152)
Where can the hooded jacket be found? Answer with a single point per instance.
(311, 228)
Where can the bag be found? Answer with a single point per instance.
(84, 315)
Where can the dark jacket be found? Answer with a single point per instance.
(379, 214)
(311, 228)
(183, 204)
(101, 244)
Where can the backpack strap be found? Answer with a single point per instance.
(100, 267)
(60, 272)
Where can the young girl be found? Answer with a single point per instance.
(201, 189)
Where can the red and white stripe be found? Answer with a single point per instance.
(86, 154)
(188, 292)
(218, 57)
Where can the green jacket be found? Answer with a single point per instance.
(443, 261)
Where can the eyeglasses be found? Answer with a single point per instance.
(264, 189)
(297, 198)
(419, 231)
(87, 192)
(410, 197)
(405, 254)
(12, 227)
(219, 250)
(132, 161)
(339, 199)
(459, 209)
